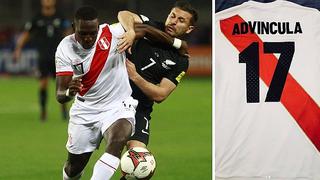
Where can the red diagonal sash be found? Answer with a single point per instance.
(294, 98)
(99, 59)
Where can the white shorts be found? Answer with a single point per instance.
(84, 138)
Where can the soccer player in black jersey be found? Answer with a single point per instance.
(46, 29)
(155, 69)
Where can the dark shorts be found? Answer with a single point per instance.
(142, 128)
(47, 68)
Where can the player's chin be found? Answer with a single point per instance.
(87, 46)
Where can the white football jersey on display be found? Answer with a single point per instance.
(267, 71)
(104, 75)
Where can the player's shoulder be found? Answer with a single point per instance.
(66, 49)
(255, 4)
(36, 17)
(66, 43)
(293, 5)
(67, 40)
(152, 22)
(227, 12)
(116, 29)
(146, 19)
(156, 24)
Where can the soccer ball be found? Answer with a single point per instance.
(137, 163)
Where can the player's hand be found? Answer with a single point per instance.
(131, 69)
(75, 86)
(126, 41)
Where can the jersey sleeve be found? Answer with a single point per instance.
(116, 29)
(63, 64)
(178, 71)
(151, 22)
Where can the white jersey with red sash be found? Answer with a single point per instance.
(104, 76)
(267, 69)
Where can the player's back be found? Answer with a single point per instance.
(267, 111)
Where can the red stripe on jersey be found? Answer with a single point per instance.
(99, 59)
(64, 73)
(294, 98)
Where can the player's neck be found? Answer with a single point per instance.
(48, 11)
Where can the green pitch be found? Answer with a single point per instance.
(181, 130)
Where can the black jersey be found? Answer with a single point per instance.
(155, 62)
(46, 33)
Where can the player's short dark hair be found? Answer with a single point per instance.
(186, 6)
(86, 13)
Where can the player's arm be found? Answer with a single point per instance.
(158, 36)
(158, 93)
(67, 88)
(22, 40)
(132, 23)
(127, 19)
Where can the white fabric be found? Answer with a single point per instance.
(144, 18)
(262, 140)
(86, 137)
(105, 167)
(112, 85)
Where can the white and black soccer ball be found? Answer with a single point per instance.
(137, 163)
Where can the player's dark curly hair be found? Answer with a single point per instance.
(86, 13)
(186, 6)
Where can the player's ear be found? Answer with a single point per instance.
(190, 28)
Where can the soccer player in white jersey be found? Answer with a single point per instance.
(267, 114)
(89, 67)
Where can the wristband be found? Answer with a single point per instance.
(177, 43)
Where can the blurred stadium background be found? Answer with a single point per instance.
(181, 126)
